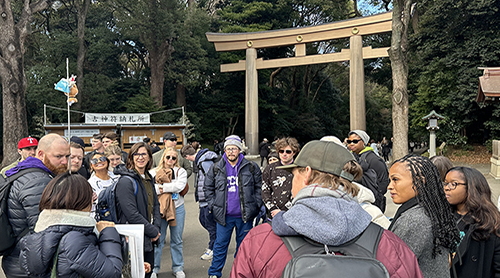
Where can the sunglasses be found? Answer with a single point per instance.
(97, 160)
(173, 139)
(168, 157)
(285, 151)
(355, 141)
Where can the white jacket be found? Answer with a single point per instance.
(366, 199)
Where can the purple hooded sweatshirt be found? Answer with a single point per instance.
(30, 162)
(233, 198)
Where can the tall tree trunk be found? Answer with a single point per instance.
(12, 38)
(158, 56)
(82, 10)
(398, 54)
(181, 95)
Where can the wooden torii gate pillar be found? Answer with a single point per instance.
(250, 42)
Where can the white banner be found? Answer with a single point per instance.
(81, 132)
(110, 118)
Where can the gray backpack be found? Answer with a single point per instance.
(358, 259)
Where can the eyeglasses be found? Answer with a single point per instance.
(452, 185)
(232, 150)
(285, 151)
(97, 160)
(140, 154)
(355, 141)
(168, 157)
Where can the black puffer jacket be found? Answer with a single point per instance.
(23, 201)
(132, 208)
(81, 254)
(249, 188)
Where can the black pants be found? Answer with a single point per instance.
(149, 257)
(262, 158)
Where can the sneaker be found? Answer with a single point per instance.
(180, 274)
(153, 275)
(208, 255)
(213, 276)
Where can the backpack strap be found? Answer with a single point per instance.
(134, 183)
(364, 245)
(14, 177)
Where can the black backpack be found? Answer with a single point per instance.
(311, 259)
(370, 181)
(106, 204)
(9, 239)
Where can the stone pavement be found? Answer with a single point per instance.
(196, 238)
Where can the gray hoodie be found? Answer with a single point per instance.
(330, 217)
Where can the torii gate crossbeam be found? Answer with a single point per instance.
(352, 28)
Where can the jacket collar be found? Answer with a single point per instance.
(52, 217)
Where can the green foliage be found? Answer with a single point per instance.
(453, 39)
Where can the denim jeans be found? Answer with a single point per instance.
(208, 222)
(175, 241)
(223, 239)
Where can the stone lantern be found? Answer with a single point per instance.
(433, 118)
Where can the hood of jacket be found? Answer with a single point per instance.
(365, 195)
(330, 217)
(204, 155)
(366, 149)
(122, 170)
(51, 226)
(30, 162)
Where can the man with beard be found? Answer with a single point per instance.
(51, 159)
(233, 192)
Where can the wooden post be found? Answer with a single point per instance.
(251, 102)
(357, 83)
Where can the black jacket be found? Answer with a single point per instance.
(370, 160)
(81, 254)
(133, 209)
(23, 201)
(249, 188)
(475, 258)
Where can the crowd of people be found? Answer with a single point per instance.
(329, 192)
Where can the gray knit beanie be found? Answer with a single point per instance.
(233, 140)
(362, 134)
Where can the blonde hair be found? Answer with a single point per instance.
(330, 181)
(112, 150)
(161, 165)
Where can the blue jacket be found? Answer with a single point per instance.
(203, 162)
(81, 253)
(249, 188)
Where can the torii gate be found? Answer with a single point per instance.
(352, 28)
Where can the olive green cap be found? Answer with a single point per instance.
(323, 156)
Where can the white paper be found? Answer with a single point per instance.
(135, 233)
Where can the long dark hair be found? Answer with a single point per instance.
(67, 191)
(478, 203)
(430, 195)
(135, 148)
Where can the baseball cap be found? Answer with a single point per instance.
(323, 156)
(77, 140)
(27, 142)
(169, 135)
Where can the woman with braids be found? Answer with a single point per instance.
(325, 210)
(478, 219)
(424, 220)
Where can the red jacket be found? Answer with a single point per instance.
(263, 254)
